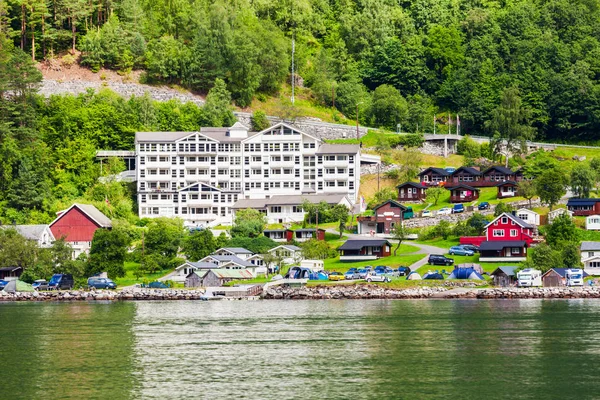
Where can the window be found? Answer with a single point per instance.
(505, 220)
(275, 209)
(498, 233)
(513, 233)
(590, 254)
(297, 209)
(515, 250)
(523, 216)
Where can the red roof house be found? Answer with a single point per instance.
(77, 226)
(506, 239)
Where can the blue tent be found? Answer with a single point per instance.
(465, 273)
(433, 275)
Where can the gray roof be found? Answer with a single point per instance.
(463, 186)
(290, 247)
(31, 232)
(468, 170)
(281, 200)
(232, 259)
(236, 250)
(338, 149)
(160, 136)
(439, 171)
(200, 265)
(500, 244)
(509, 271)
(95, 214)
(221, 134)
(359, 244)
(590, 246)
(514, 218)
(499, 168)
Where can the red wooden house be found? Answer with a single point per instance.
(584, 207)
(279, 235)
(468, 175)
(411, 191)
(302, 235)
(362, 250)
(507, 189)
(463, 193)
(384, 219)
(434, 176)
(77, 226)
(496, 174)
(506, 239)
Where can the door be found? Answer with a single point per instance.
(552, 281)
(380, 227)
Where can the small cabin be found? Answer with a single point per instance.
(463, 193)
(468, 175)
(411, 191)
(584, 207)
(385, 217)
(529, 216)
(434, 176)
(552, 215)
(364, 250)
(504, 276)
(496, 174)
(507, 189)
(592, 223)
(302, 235)
(279, 235)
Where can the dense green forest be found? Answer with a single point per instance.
(48, 146)
(417, 57)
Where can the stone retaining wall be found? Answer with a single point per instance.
(350, 292)
(138, 294)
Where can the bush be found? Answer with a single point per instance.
(259, 121)
(468, 147)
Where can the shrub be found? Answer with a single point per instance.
(259, 121)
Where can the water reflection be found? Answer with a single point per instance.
(302, 350)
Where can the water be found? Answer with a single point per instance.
(530, 349)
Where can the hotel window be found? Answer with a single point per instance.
(351, 185)
(143, 197)
(320, 185)
(142, 173)
(590, 254)
(351, 171)
(498, 233)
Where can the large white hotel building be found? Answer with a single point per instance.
(199, 176)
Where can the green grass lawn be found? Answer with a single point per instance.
(129, 279)
(334, 264)
(439, 242)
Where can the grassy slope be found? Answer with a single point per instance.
(129, 278)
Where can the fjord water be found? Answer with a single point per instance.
(355, 349)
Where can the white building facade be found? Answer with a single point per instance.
(198, 176)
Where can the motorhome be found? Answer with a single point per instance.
(574, 277)
(529, 277)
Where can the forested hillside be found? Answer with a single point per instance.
(400, 61)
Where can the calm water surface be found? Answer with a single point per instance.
(529, 349)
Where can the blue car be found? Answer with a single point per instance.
(483, 205)
(460, 251)
(3, 283)
(362, 273)
(382, 270)
(458, 208)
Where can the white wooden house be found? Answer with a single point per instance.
(590, 257)
(529, 216)
(592, 223)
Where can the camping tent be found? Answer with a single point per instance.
(414, 276)
(433, 275)
(465, 273)
(18, 286)
(476, 267)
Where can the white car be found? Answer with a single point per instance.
(426, 213)
(371, 277)
(444, 211)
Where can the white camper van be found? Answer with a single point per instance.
(574, 277)
(529, 277)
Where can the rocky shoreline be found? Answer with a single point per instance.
(82, 295)
(329, 292)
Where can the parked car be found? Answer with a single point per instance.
(2, 283)
(460, 251)
(101, 283)
(368, 267)
(352, 273)
(438, 259)
(60, 282)
(382, 270)
(426, 213)
(336, 276)
(472, 247)
(158, 285)
(458, 208)
(362, 273)
(40, 284)
(444, 211)
(377, 278)
(484, 205)
(403, 271)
